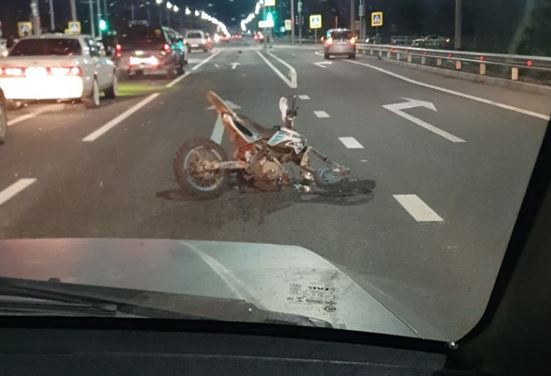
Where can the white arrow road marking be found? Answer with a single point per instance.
(319, 53)
(453, 92)
(322, 64)
(321, 114)
(417, 208)
(292, 83)
(398, 109)
(113, 123)
(304, 97)
(351, 143)
(230, 104)
(234, 65)
(14, 189)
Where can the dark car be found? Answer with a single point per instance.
(3, 118)
(152, 50)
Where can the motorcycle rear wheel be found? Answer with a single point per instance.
(189, 168)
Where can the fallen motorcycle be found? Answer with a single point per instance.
(263, 159)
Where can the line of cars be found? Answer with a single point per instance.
(61, 67)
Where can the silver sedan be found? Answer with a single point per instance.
(341, 42)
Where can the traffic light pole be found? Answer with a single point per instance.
(361, 11)
(52, 15)
(73, 10)
(35, 17)
(92, 23)
(98, 4)
(300, 21)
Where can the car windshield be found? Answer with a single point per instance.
(358, 165)
(342, 34)
(44, 47)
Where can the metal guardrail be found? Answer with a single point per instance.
(438, 57)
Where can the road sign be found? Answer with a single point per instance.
(24, 29)
(357, 25)
(376, 19)
(315, 21)
(269, 3)
(288, 25)
(74, 27)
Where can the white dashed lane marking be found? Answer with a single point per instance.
(321, 114)
(304, 97)
(14, 189)
(351, 143)
(418, 209)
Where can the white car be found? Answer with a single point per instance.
(198, 40)
(58, 67)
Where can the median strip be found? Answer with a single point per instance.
(292, 82)
(14, 189)
(113, 123)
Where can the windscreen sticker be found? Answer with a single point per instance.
(313, 294)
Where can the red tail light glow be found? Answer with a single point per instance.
(65, 71)
(118, 50)
(329, 41)
(166, 47)
(352, 40)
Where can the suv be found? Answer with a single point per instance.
(340, 42)
(3, 118)
(198, 40)
(150, 50)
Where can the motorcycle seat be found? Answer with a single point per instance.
(253, 126)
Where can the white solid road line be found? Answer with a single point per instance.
(292, 84)
(417, 208)
(351, 143)
(304, 97)
(107, 127)
(321, 114)
(319, 53)
(21, 118)
(453, 92)
(14, 189)
(205, 61)
(33, 114)
(175, 81)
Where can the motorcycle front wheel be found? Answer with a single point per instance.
(193, 168)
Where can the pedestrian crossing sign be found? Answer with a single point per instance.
(376, 19)
(74, 27)
(315, 21)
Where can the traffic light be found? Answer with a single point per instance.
(103, 25)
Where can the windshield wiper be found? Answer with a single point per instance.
(56, 298)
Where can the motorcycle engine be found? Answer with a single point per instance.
(268, 173)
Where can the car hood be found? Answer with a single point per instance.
(281, 278)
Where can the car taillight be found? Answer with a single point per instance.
(65, 71)
(166, 47)
(352, 40)
(12, 72)
(118, 50)
(329, 41)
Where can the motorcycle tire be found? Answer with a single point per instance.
(202, 188)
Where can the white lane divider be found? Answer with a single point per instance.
(453, 92)
(21, 118)
(205, 61)
(351, 143)
(292, 83)
(14, 189)
(304, 97)
(175, 81)
(113, 123)
(321, 114)
(417, 208)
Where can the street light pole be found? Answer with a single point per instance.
(299, 5)
(98, 4)
(52, 16)
(292, 21)
(361, 11)
(458, 24)
(132, 11)
(352, 14)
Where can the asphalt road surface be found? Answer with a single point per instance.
(451, 159)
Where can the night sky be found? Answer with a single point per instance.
(488, 24)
